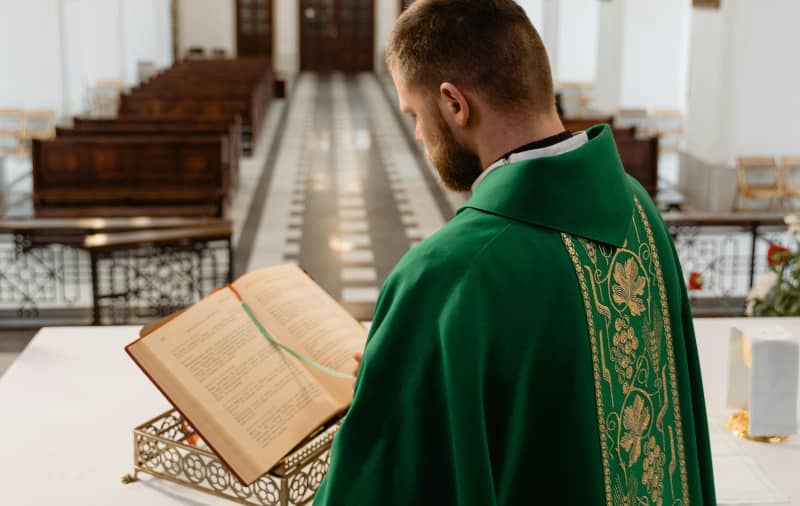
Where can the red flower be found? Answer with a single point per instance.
(776, 255)
(695, 281)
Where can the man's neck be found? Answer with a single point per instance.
(501, 139)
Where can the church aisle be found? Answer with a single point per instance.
(347, 197)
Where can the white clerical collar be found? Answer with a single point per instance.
(562, 147)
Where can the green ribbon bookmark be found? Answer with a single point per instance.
(302, 358)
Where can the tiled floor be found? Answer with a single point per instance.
(348, 196)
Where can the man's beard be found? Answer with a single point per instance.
(458, 166)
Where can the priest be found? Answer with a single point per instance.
(539, 348)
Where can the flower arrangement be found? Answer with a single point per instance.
(777, 293)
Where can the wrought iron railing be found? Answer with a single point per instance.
(57, 272)
(728, 252)
(51, 278)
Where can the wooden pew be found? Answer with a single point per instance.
(639, 155)
(640, 158)
(213, 90)
(130, 176)
(146, 127)
(578, 124)
(626, 133)
(179, 106)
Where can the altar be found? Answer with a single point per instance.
(73, 396)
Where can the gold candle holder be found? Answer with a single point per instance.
(739, 425)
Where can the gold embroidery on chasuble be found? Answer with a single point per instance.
(636, 391)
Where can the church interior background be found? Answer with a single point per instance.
(279, 125)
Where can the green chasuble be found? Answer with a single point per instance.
(538, 349)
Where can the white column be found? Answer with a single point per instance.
(643, 54)
(569, 31)
(549, 31)
(708, 86)
(608, 85)
(164, 33)
(576, 54)
(743, 90)
(386, 12)
(286, 23)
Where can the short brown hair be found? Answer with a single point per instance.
(489, 45)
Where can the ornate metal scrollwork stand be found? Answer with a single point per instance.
(162, 449)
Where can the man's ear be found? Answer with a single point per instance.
(454, 104)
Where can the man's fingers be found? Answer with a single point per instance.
(357, 357)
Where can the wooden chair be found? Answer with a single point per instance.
(40, 124)
(145, 69)
(575, 97)
(758, 178)
(668, 125)
(633, 117)
(12, 130)
(790, 174)
(105, 97)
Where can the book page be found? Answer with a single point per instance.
(299, 314)
(249, 400)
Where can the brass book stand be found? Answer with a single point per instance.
(168, 447)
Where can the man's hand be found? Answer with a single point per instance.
(357, 357)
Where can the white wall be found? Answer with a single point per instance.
(55, 49)
(30, 55)
(655, 53)
(765, 78)
(207, 23)
(535, 11)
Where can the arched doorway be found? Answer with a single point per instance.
(337, 35)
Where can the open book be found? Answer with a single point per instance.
(250, 399)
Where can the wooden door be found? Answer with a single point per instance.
(254, 28)
(404, 4)
(336, 35)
